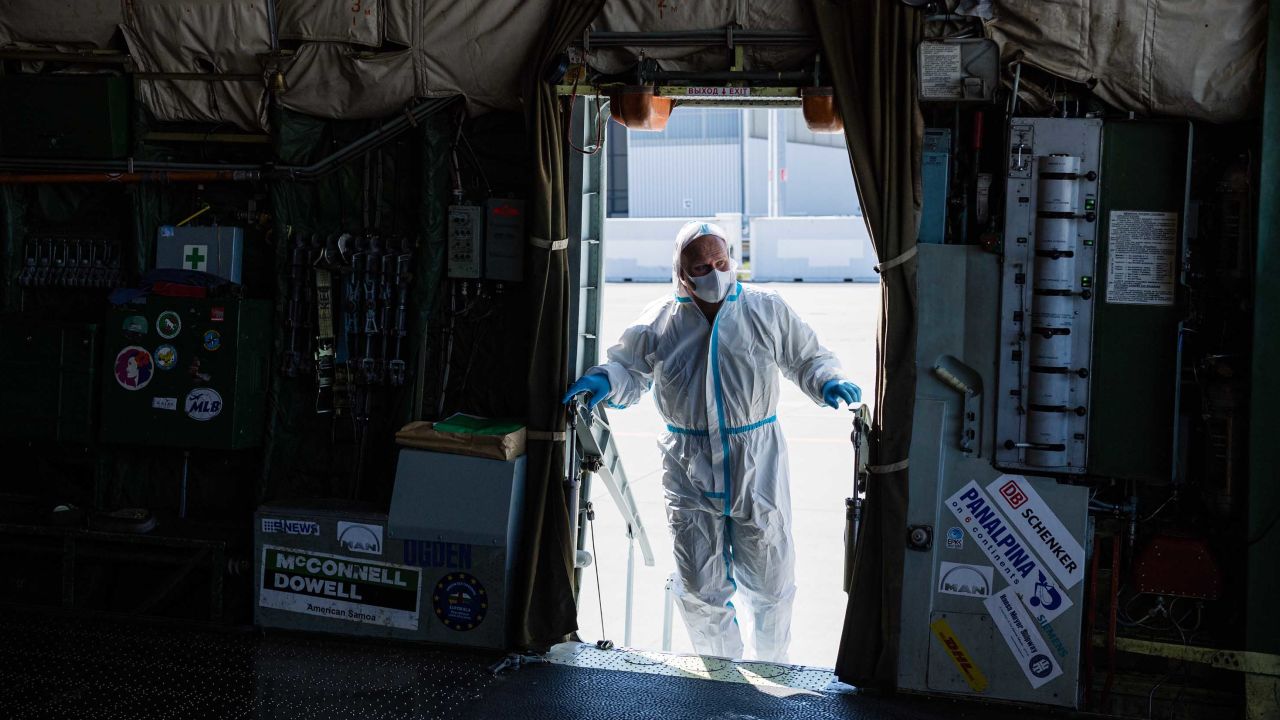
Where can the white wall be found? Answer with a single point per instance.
(639, 249)
(815, 249)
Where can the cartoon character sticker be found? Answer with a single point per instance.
(166, 356)
(212, 340)
(169, 324)
(134, 368)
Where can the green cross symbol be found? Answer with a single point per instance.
(194, 258)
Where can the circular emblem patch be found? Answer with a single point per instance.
(168, 325)
(212, 340)
(460, 601)
(133, 368)
(203, 404)
(166, 357)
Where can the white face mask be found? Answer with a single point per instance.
(714, 286)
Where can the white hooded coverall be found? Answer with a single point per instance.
(725, 469)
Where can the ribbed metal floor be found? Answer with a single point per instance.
(54, 667)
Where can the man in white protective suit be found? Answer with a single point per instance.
(711, 352)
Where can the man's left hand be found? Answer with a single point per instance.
(836, 390)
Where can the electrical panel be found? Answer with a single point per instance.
(1047, 294)
(214, 249)
(186, 372)
(504, 240)
(466, 242)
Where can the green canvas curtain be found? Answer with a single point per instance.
(542, 600)
(868, 48)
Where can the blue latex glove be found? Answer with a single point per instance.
(836, 390)
(596, 385)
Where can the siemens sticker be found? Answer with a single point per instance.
(1008, 552)
(429, 554)
(339, 587)
(1044, 532)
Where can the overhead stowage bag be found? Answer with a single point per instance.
(1187, 58)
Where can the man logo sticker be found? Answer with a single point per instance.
(965, 580)
(361, 538)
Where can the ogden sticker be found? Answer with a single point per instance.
(965, 580)
(360, 537)
(1020, 634)
(1008, 551)
(972, 675)
(1044, 532)
(341, 588)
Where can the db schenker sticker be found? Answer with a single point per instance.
(203, 404)
(460, 601)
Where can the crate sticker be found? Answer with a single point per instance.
(134, 368)
(1008, 551)
(290, 527)
(164, 403)
(168, 325)
(195, 257)
(1037, 522)
(965, 580)
(360, 537)
(1019, 631)
(166, 357)
(460, 601)
(968, 668)
(342, 588)
(212, 340)
(203, 404)
(955, 538)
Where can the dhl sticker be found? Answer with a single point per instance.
(972, 675)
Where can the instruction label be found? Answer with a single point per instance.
(340, 588)
(1142, 257)
(1037, 522)
(1008, 552)
(940, 73)
(1020, 634)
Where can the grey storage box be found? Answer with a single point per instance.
(215, 249)
(436, 570)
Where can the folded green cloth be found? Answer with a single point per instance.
(474, 425)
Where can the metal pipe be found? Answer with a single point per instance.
(146, 171)
(631, 585)
(789, 76)
(669, 599)
(200, 176)
(693, 38)
(96, 58)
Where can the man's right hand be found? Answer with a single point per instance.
(596, 385)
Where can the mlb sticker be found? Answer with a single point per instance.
(166, 357)
(203, 404)
(134, 368)
(135, 325)
(217, 314)
(212, 340)
(965, 580)
(359, 537)
(168, 325)
(460, 601)
(163, 403)
(195, 257)
(955, 538)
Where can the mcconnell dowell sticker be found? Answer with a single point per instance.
(460, 601)
(134, 368)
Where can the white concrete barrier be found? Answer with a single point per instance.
(639, 249)
(814, 249)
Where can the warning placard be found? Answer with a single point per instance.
(1142, 257)
(940, 72)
